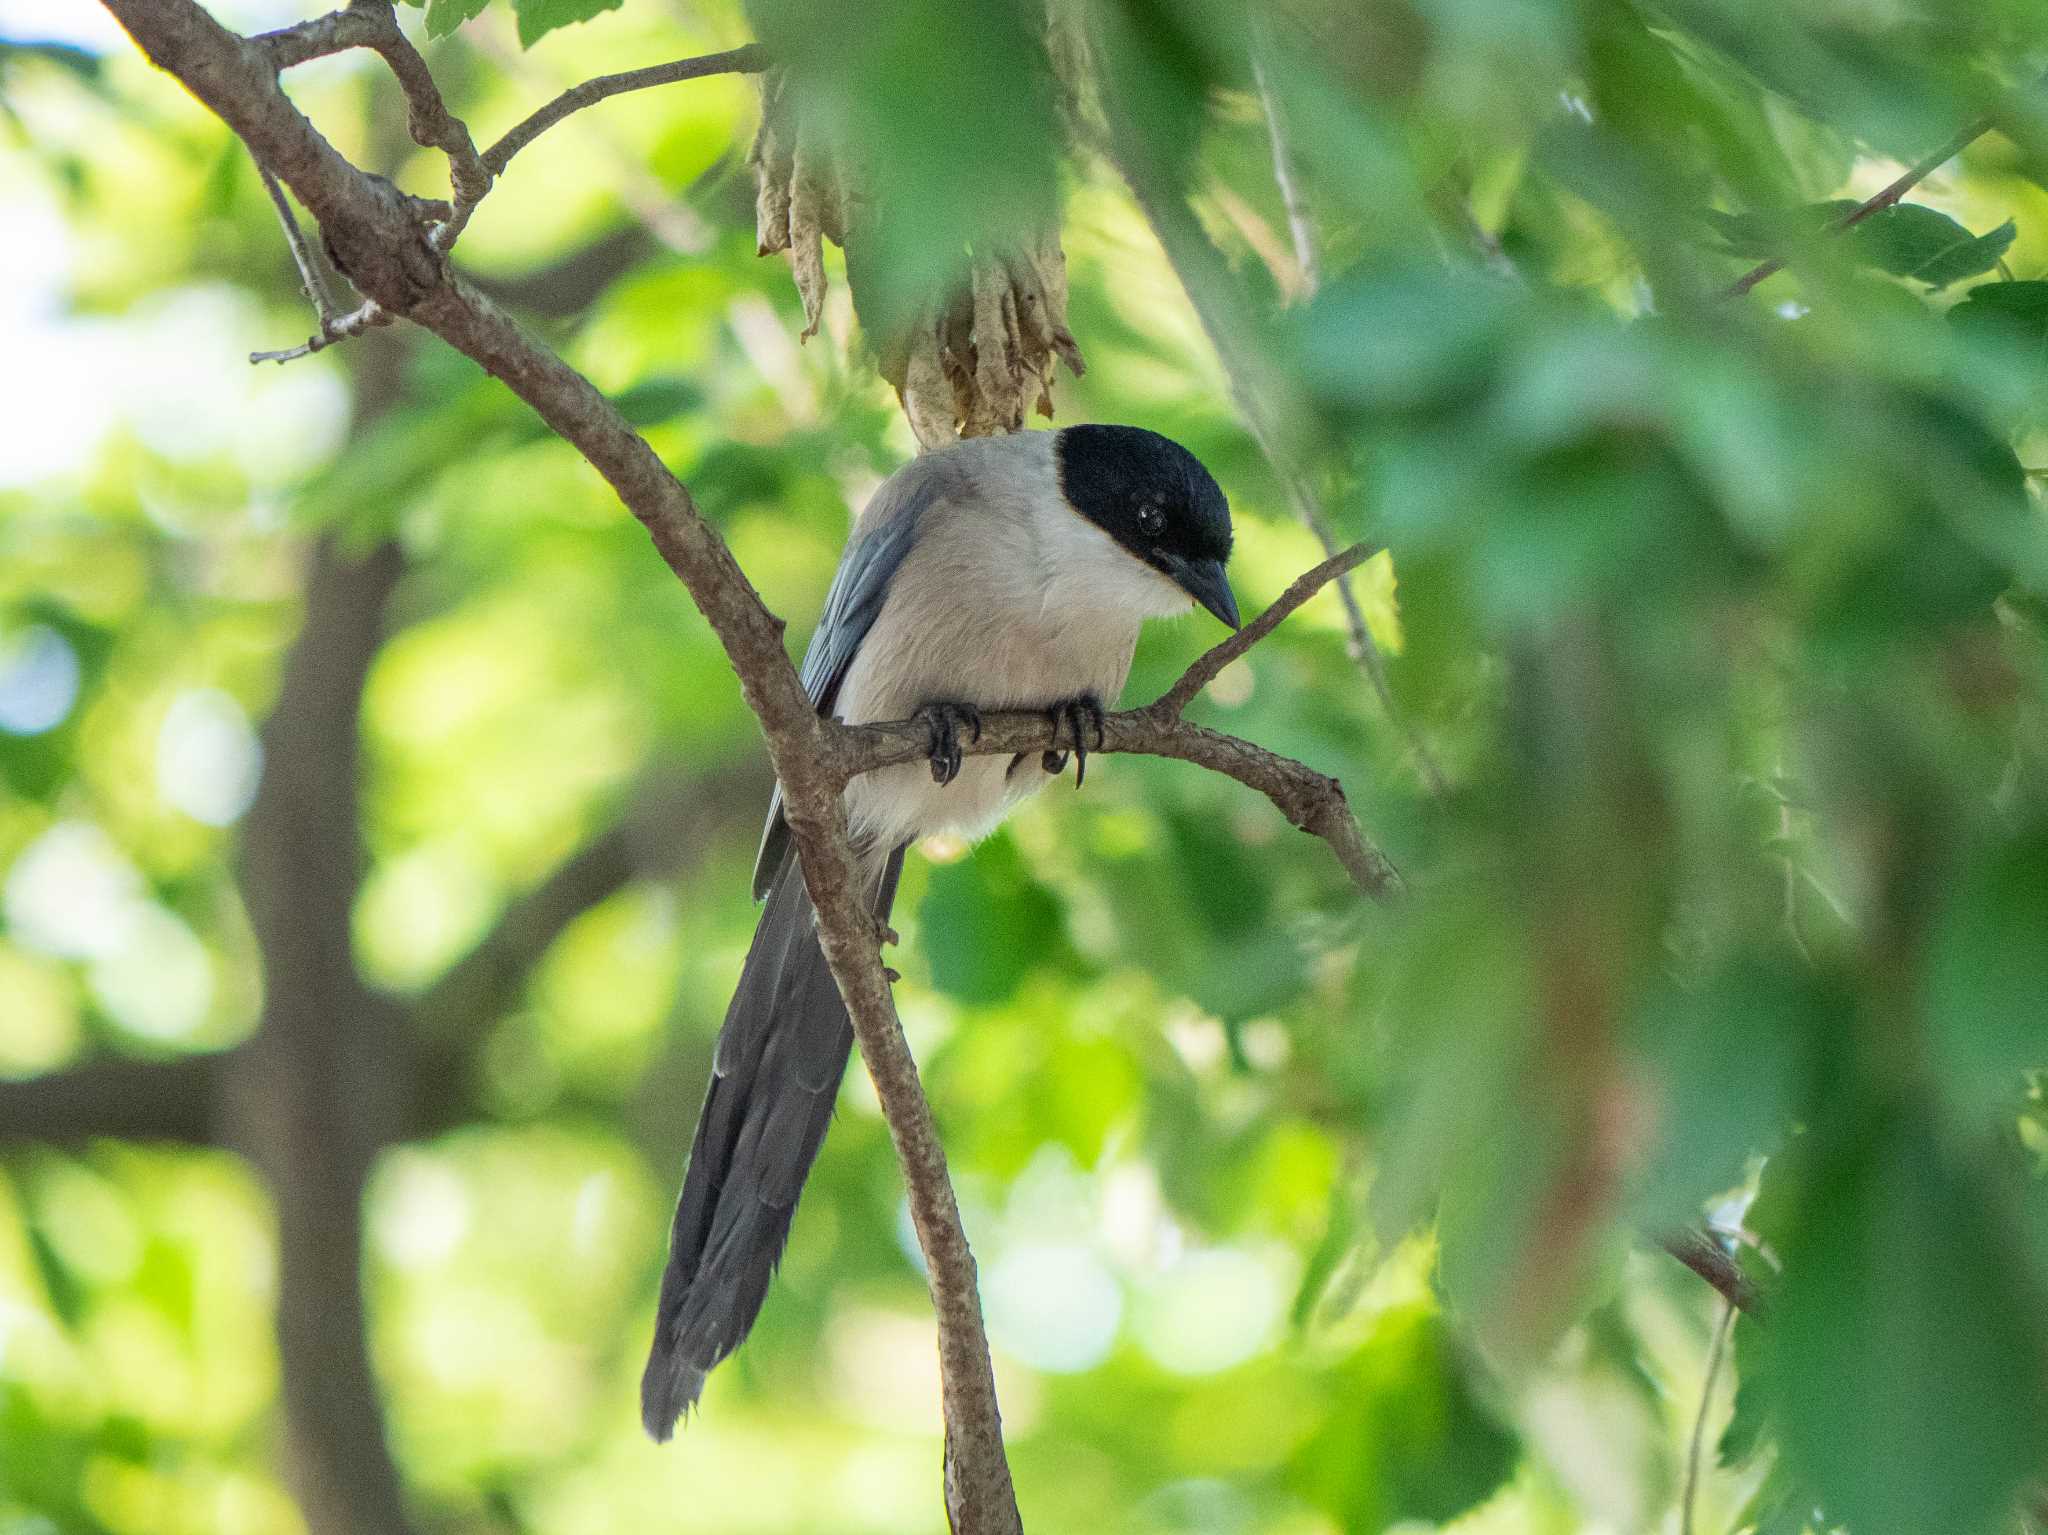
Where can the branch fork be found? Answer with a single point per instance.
(373, 24)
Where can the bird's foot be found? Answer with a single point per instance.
(943, 722)
(1079, 715)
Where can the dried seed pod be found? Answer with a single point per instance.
(973, 358)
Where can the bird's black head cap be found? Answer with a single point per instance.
(1153, 497)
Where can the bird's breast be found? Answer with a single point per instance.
(991, 633)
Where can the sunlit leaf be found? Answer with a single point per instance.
(444, 16)
(1412, 1439)
(537, 18)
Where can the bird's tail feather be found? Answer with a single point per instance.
(781, 1054)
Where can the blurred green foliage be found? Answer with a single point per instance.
(1725, 617)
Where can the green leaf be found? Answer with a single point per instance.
(1986, 989)
(2012, 311)
(1411, 1440)
(1907, 1349)
(444, 16)
(1729, 1055)
(537, 18)
(1758, 236)
(985, 922)
(1749, 1421)
(1399, 338)
(1779, 1506)
(1906, 239)
(654, 400)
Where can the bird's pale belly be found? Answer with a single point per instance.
(896, 804)
(1011, 650)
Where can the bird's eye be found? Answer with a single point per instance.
(1151, 520)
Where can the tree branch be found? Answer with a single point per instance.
(311, 283)
(324, 1084)
(119, 1097)
(1711, 1261)
(304, 41)
(432, 125)
(1209, 665)
(751, 59)
(380, 248)
(1310, 800)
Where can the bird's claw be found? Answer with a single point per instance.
(1074, 714)
(942, 721)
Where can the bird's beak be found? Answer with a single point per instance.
(1205, 581)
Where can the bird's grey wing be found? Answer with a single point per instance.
(873, 555)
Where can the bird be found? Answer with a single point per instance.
(999, 573)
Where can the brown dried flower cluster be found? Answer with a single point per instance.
(971, 360)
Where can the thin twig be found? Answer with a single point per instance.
(751, 59)
(668, 214)
(1716, 1352)
(1920, 171)
(1211, 662)
(311, 282)
(332, 329)
(1286, 174)
(1365, 651)
(1711, 1261)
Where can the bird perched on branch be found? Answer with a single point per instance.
(1000, 573)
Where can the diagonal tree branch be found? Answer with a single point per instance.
(1877, 203)
(1711, 1261)
(1891, 194)
(1210, 664)
(751, 59)
(311, 283)
(978, 1487)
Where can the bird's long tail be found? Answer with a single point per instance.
(780, 1056)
